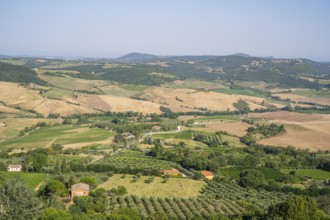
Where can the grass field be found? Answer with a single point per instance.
(191, 144)
(12, 126)
(134, 87)
(57, 134)
(312, 173)
(219, 118)
(174, 187)
(31, 179)
(56, 93)
(14, 62)
(178, 135)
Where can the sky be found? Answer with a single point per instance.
(112, 28)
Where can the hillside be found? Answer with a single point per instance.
(17, 73)
(137, 57)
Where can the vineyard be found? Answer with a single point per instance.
(227, 199)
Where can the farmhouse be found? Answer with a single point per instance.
(173, 172)
(79, 189)
(14, 168)
(207, 174)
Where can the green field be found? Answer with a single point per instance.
(219, 117)
(269, 173)
(56, 93)
(311, 173)
(57, 134)
(178, 135)
(31, 179)
(134, 87)
(14, 62)
(174, 187)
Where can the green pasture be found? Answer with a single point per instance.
(57, 134)
(311, 173)
(31, 179)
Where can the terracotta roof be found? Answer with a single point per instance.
(15, 166)
(207, 173)
(82, 186)
(170, 171)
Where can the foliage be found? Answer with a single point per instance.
(120, 190)
(90, 180)
(17, 73)
(251, 178)
(296, 208)
(54, 214)
(17, 201)
(55, 187)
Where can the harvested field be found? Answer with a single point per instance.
(70, 83)
(236, 128)
(313, 137)
(118, 104)
(183, 100)
(290, 117)
(305, 131)
(14, 95)
(5, 109)
(300, 98)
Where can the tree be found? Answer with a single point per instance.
(91, 181)
(120, 190)
(251, 178)
(67, 121)
(3, 166)
(197, 176)
(57, 167)
(54, 214)
(39, 161)
(250, 161)
(55, 187)
(17, 201)
(125, 214)
(296, 208)
(64, 167)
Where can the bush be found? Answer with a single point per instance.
(120, 190)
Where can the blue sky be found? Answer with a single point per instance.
(100, 28)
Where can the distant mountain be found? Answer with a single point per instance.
(241, 54)
(137, 57)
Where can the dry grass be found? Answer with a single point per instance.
(305, 131)
(183, 100)
(14, 95)
(313, 137)
(290, 117)
(300, 98)
(174, 187)
(8, 110)
(70, 83)
(118, 104)
(236, 128)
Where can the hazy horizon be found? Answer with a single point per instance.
(110, 29)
